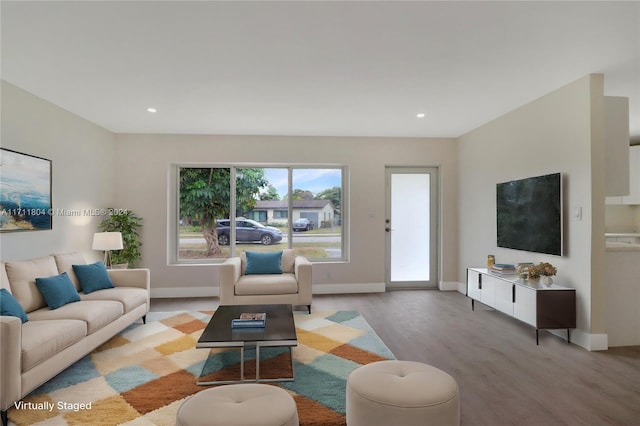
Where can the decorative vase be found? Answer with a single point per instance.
(546, 280)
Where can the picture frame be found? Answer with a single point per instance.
(25, 192)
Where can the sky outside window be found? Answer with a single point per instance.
(314, 180)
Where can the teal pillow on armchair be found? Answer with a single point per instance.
(263, 263)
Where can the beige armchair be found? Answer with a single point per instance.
(292, 286)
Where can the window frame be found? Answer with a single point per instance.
(277, 214)
(173, 209)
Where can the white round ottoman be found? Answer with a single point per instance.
(246, 404)
(403, 393)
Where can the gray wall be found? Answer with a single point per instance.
(142, 172)
(82, 167)
(560, 132)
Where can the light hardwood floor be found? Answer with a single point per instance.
(504, 378)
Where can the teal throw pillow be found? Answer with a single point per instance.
(9, 306)
(57, 291)
(263, 263)
(93, 277)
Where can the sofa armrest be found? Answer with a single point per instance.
(140, 278)
(10, 361)
(228, 275)
(302, 268)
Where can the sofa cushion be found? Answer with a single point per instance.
(57, 291)
(263, 263)
(43, 339)
(22, 276)
(288, 261)
(93, 277)
(96, 313)
(9, 306)
(130, 297)
(266, 284)
(65, 263)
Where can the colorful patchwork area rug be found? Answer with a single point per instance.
(141, 376)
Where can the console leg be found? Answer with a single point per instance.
(537, 339)
(5, 420)
(568, 336)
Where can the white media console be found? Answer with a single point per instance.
(543, 307)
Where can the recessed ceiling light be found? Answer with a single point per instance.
(420, 115)
(152, 110)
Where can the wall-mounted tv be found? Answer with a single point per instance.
(529, 214)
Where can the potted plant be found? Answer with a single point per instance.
(125, 222)
(544, 271)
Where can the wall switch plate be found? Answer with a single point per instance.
(577, 213)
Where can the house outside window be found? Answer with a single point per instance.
(280, 214)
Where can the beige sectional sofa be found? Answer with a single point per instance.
(51, 340)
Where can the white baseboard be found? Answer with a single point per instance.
(177, 292)
(591, 342)
(213, 291)
(349, 288)
(451, 286)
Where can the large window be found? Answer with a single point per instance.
(223, 211)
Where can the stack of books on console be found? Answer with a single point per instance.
(503, 269)
(250, 320)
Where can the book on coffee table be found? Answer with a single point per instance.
(249, 319)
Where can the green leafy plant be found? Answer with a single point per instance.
(205, 195)
(125, 222)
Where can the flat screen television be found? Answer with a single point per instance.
(529, 214)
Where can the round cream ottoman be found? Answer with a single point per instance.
(401, 393)
(246, 404)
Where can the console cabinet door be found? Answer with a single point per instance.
(489, 290)
(524, 306)
(504, 296)
(474, 284)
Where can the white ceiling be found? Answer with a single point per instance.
(314, 68)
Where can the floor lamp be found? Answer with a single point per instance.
(107, 241)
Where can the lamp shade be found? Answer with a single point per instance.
(107, 241)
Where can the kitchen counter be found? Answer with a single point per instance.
(613, 246)
(623, 241)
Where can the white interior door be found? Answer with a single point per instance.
(411, 227)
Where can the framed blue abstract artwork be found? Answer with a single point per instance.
(25, 192)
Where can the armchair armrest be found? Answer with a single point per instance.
(10, 361)
(229, 274)
(302, 268)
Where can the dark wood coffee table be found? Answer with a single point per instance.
(279, 330)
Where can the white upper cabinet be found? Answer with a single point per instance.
(633, 197)
(616, 127)
(634, 177)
